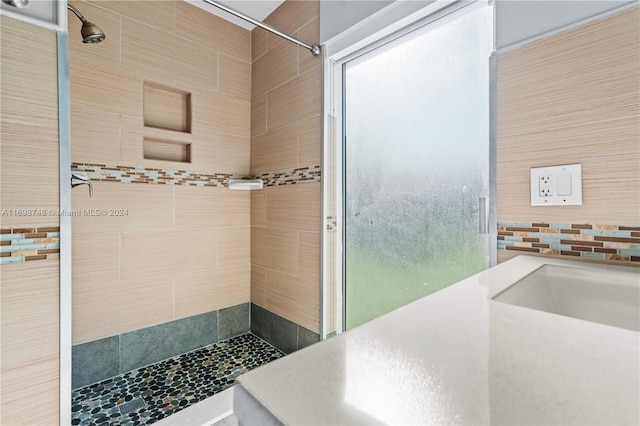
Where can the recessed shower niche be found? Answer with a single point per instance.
(157, 149)
(166, 108)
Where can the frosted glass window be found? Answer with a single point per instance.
(416, 153)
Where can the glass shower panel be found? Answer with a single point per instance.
(416, 163)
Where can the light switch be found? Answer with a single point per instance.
(564, 184)
(556, 185)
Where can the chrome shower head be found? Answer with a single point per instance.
(91, 33)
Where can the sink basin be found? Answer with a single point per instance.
(606, 296)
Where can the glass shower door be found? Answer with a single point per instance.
(416, 163)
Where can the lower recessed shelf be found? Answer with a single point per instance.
(156, 149)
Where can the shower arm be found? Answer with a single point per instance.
(77, 13)
(315, 49)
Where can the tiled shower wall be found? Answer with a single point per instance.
(286, 135)
(573, 97)
(174, 242)
(29, 290)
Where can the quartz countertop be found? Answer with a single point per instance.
(456, 357)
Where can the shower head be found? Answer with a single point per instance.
(91, 33)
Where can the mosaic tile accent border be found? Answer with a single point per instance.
(25, 244)
(308, 174)
(153, 176)
(157, 176)
(605, 242)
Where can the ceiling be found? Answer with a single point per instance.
(256, 9)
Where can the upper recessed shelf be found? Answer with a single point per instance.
(166, 108)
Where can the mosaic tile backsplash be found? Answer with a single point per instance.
(588, 241)
(148, 175)
(25, 244)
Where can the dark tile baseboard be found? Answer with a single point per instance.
(280, 332)
(103, 358)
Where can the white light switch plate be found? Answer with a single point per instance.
(556, 185)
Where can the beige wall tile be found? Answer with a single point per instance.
(208, 207)
(159, 14)
(32, 402)
(258, 43)
(310, 34)
(172, 57)
(283, 108)
(310, 142)
(29, 176)
(203, 291)
(258, 285)
(279, 65)
(234, 154)
(102, 86)
(233, 76)
(309, 255)
(149, 207)
(30, 341)
(96, 259)
(258, 115)
(28, 77)
(205, 152)
(226, 114)
(234, 246)
(158, 253)
(30, 314)
(555, 108)
(259, 208)
(29, 123)
(95, 141)
(108, 21)
(202, 27)
(275, 249)
(29, 295)
(504, 255)
(274, 40)
(290, 139)
(105, 309)
(291, 15)
(294, 207)
(275, 150)
(294, 298)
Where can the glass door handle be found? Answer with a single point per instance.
(483, 224)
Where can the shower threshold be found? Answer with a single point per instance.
(149, 394)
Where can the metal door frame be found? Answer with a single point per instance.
(64, 137)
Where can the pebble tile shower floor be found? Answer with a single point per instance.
(150, 393)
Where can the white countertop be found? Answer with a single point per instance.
(456, 357)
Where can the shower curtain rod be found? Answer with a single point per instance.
(315, 49)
